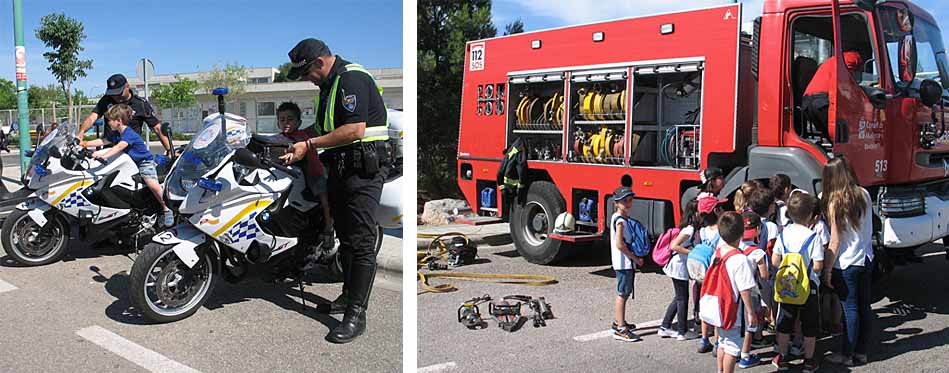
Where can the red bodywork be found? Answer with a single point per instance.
(728, 104)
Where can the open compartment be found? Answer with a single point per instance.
(536, 114)
(487, 197)
(585, 209)
(598, 116)
(666, 125)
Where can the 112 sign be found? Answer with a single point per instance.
(476, 57)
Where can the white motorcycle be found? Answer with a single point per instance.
(243, 213)
(75, 195)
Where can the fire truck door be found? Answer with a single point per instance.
(855, 126)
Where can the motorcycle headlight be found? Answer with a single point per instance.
(902, 206)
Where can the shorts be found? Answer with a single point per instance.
(146, 169)
(732, 339)
(624, 283)
(808, 313)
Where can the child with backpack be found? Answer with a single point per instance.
(781, 189)
(758, 261)
(799, 258)
(726, 293)
(703, 245)
(624, 264)
(761, 202)
(676, 269)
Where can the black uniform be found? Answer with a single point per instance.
(142, 111)
(356, 176)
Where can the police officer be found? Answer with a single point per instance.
(353, 125)
(118, 92)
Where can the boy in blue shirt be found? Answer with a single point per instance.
(132, 144)
(624, 264)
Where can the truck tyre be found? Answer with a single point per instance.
(533, 221)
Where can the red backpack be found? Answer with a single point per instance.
(717, 304)
(663, 251)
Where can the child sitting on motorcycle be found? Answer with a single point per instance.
(123, 139)
(289, 120)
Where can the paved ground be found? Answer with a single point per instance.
(75, 316)
(911, 331)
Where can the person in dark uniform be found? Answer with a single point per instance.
(353, 124)
(118, 92)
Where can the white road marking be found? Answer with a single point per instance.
(438, 367)
(131, 351)
(6, 286)
(607, 333)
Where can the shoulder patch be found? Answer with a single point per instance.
(349, 103)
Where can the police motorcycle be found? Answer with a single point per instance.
(242, 214)
(75, 195)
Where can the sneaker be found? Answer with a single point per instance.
(780, 363)
(688, 336)
(839, 359)
(751, 361)
(860, 358)
(169, 218)
(629, 326)
(667, 333)
(625, 334)
(760, 343)
(704, 346)
(810, 366)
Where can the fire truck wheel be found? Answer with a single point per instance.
(533, 221)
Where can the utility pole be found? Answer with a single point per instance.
(22, 104)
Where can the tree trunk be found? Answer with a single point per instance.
(69, 104)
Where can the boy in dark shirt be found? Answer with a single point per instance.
(288, 121)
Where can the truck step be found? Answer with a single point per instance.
(583, 237)
(479, 220)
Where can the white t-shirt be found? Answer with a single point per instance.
(783, 220)
(754, 257)
(794, 236)
(620, 261)
(740, 273)
(855, 247)
(676, 268)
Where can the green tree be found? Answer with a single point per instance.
(7, 94)
(443, 29)
(64, 36)
(282, 73)
(515, 27)
(176, 95)
(232, 76)
(44, 97)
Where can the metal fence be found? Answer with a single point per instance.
(45, 116)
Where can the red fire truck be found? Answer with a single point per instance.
(660, 98)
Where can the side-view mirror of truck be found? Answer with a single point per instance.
(930, 92)
(907, 60)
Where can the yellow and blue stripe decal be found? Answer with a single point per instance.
(72, 192)
(243, 228)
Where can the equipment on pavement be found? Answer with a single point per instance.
(469, 314)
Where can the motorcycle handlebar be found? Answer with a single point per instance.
(280, 167)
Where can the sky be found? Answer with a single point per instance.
(188, 36)
(543, 14)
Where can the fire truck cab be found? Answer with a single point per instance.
(659, 98)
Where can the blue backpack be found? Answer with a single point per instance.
(635, 236)
(700, 257)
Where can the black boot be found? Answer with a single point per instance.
(352, 326)
(335, 307)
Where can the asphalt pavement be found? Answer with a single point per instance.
(911, 329)
(75, 316)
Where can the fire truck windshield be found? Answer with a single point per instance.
(931, 54)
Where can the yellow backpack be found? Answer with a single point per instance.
(791, 283)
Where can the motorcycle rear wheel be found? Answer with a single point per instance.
(155, 283)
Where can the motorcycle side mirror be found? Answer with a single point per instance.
(930, 92)
(246, 158)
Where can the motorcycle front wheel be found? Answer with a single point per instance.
(32, 245)
(164, 289)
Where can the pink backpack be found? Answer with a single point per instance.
(663, 251)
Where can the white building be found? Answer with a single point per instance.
(260, 99)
